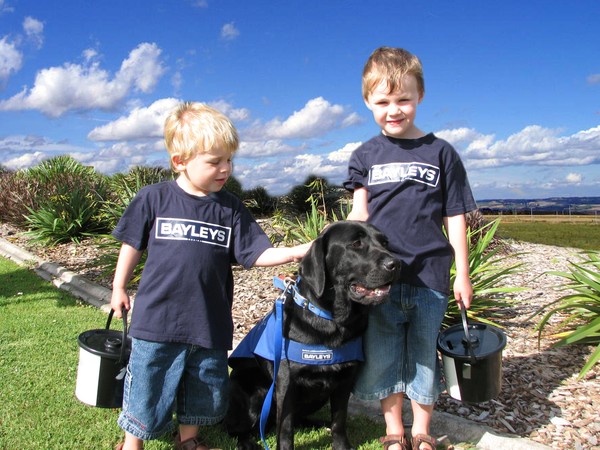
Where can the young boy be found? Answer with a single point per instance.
(410, 185)
(182, 325)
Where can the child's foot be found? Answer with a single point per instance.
(423, 441)
(394, 442)
(191, 444)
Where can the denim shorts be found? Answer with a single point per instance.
(401, 346)
(163, 378)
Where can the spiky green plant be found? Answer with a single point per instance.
(487, 272)
(307, 228)
(68, 205)
(63, 218)
(52, 169)
(579, 309)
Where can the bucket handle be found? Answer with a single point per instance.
(463, 314)
(122, 358)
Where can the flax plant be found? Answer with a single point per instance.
(488, 273)
(579, 309)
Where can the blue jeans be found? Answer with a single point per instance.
(401, 346)
(163, 378)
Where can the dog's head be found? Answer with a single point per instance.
(352, 259)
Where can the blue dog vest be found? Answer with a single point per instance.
(260, 341)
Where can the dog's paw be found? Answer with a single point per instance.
(248, 445)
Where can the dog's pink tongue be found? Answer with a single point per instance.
(371, 293)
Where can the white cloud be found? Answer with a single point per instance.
(305, 164)
(533, 145)
(75, 87)
(89, 54)
(11, 59)
(148, 122)
(140, 123)
(25, 160)
(122, 156)
(142, 69)
(316, 118)
(20, 152)
(270, 174)
(34, 30)
(234, 114)
(343, 154)
(574, 178)
(258, 149)
(279, 175)
(229, 32)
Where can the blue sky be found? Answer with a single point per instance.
(513, 85)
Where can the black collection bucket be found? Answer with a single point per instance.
(103, 357)
(472, 360)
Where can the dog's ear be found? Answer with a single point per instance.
(313, 265)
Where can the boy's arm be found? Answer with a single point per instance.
(359, 205)
(456, 227)
(129, 257)
(275, 256)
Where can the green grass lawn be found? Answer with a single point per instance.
(39, 327)
(546, 230)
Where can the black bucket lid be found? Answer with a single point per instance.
(105, 343)
(484, 340)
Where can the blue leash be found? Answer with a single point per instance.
(286, 286)
(278, 343)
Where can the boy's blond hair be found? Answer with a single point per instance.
(390, 65)
(194, 127)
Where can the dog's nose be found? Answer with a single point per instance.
(391, 264)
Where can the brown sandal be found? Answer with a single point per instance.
(393, 439)
(424, 439)
(191, 444)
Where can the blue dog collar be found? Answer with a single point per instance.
(300, 300)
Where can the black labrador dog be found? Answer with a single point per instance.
(347, 269)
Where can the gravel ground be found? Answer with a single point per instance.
(541, 398)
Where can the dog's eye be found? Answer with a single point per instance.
(356, 244)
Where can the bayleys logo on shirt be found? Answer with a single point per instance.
(400, 172)
(192, 230)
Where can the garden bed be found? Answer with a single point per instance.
(541, 397)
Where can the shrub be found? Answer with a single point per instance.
(16, 195)
(314, 221)
(579, 310)
(487, 274)
(259, 201)
(65, 217)
(67, 200)
(299, 198)
(234, 186)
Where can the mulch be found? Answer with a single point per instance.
(541, 399)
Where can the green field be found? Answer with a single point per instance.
(561, 230)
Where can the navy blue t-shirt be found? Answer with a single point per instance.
(412, 185)
(186, 291)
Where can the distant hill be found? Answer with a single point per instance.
(553, 205)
